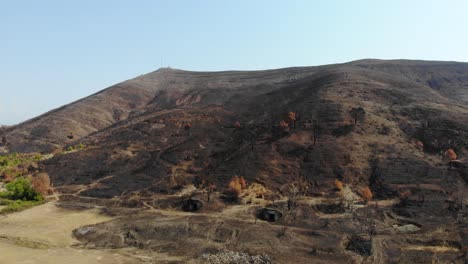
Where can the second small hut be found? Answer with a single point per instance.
(270, 214)
(192, 204)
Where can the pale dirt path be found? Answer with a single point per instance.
(378, 247)
(227, 212)
(43, 234)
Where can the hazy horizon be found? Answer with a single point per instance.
(56, 52)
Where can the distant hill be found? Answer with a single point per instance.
(169, 88)
(152, 141)
(134, 130)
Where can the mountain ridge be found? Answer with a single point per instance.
(135, 94)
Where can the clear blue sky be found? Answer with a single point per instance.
(53, 52)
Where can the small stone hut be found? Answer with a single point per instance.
(270, 214)
(192, 205)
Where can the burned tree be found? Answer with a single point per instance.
(209, 190)
(187, 127)
(293, 194)
(460, 194)
(372, 229)
(357, 113)
(292, 119)
(284, 126)
(317, 128)
(252, 137)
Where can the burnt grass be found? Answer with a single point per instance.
(360, 245)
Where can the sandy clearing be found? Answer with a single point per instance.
(11, 253)
(43, 234)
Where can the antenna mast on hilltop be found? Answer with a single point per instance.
(162, 64)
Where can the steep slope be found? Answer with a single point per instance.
(447, 78)
(118, 102)
(60, 126)
(152, 150)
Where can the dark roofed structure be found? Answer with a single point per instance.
(192, 205)
(270, 214)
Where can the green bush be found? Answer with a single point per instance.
(3, 195)
(20, 195)
(4, 162)
(38, 157)
(21, 189)
(12, 162)
(18, 205)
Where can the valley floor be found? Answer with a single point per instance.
(152, 233)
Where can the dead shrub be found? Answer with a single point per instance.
(242, 182)
(187, 126)
(420, 145)
(7, 177)
(284, 125)
(450, 154)
(41, 183)
(366, 194)
(292, 118)
(235, 187)
(404, 196)
(338, 185)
